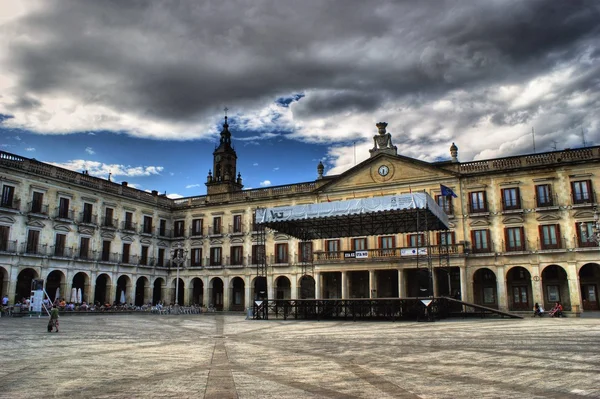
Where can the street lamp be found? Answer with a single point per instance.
(178, 255)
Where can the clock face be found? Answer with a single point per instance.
(383, 170)
(218, 158)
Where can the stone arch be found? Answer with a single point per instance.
(197, 286)
(283, 288)
(24, 279)
(555, 284)
(216, 288)
(518, 289)
(124, 289)
(157, 290)
(81, 281)
(259, 288)
(56, 280)
(306, 287)
(237, 294)
(485, 288)
(589, 282)
(142, 291)
(4, 282)
(103, 286)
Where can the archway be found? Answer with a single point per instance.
(237, 300)
(101, 295)
(332, 285)
(140, 291)
(555, 284)
(589, 280)
(216, 297)
(180, 294)
(358, 284)
(123, 292)
(519, 293)
(24, 280)
(283, 288)
(260, 288)
(485, 288)
(159, 283)
(197, 292)
(306, 287)
(80, 281)
(3, 282)
(54, 280)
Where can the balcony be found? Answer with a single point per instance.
(213, 263)
(487, 249)
(549, 203)
(196, 233)
(60, 252)
(109, 257)
(146, 261)
(195, 264)
(37, 208)
(87, 219)
(37, 250)
(8, 247)
(109, 223)
(558, 245)
(583, 200)
(584, 244)
(385, 254)
(516, 248)
(161, 262)
(215, 231)
(512, 205)
(146, 230)
(164, 233)
(236, 230)
(63, 214)
(12, 204)
(129, 226)
(84, 255)
(481, 210)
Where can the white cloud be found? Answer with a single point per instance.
(174, 196)
(29, 149)
(100, 169)
(192, 185)
(265, 183)
(90, 150)
(255, 164)
(276, 168)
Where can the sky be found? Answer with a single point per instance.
(138, 89)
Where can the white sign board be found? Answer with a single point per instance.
(413, 251)
(426, 302)
(362, 254)
(36, 301)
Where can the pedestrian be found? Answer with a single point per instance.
(53, 322)
(5, 300)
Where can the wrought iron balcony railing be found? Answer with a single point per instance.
(37, 208)
(87, 218)
(13, 203)
(8, 246)
(61, 213)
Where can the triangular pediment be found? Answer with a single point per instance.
(107, 234)
(162, 244)
(7, 219)
(126, 238)
(479, 223)
(386, 170)
(35, 223)
(548, 217)
(216, 241)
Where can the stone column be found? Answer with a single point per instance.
(226, 293)
(401, 284)
(501, 289)
(294, 287)
(434, 282)
(536, 285)
(248, 300)
(270, 287)
(318, 284)
(90, 291)
(574, 288)
(206, 299)
(187, 293)
(344, 284)
(147, 293)
(464, 285)
(372, 284)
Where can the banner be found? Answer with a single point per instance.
(412, 251)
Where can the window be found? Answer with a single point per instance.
(305, 251)
(128, 221)
(179, 228)
(217, 225)
(543, 195)
(581, 191)
(553, 293)
(37, 202)
(63, 208)
(162, 230)
(161, 257)
(8, 194)
(147, 225)
(84, 248)
(511, 199)
(446, 238)
(215, 256)
(196, 255)
(108, 217)
(258, 254)
(359, 244)
(387, 244)
(33, 240)
(416, 240)
(125, 255)
(481, 241)
(4, 234)
(550, 236)
(87, 213)
(585, 234)
(106, 251)
(197, 227)
(59, 244)
(144, 255)
(477, 202)
(237, 223)
(332, 245)
(445, 202)
(515, 239)
(255, 227)
(281, 253)
(237, 255)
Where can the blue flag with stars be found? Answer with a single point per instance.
(447, 191)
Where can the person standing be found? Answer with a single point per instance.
(53, 319)
(5, 300)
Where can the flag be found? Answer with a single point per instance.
(447, 191)
(327, 196)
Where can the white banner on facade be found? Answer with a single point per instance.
(412, 251)
(362, 254)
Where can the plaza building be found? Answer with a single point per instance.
(522, 230)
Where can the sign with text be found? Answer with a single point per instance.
(413, 251)
(356, 254)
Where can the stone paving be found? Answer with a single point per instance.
(226, 356)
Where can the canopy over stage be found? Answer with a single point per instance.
(392, 214)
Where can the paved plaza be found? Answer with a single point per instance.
(226, 356)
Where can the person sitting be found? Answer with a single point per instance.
(538, 310)
(557, 310)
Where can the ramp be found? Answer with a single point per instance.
(483, 310)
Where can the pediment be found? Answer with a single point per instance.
(216, 241)
(62, 227)
(479, 223)
(197, 243)
(7, 219)
(281, 237)
(126, 238)
(237, 240)
(548, 217)
(162, 244)
(512, 219)
(35, 223)
(145, 240)
(86, 230)
(107, 234)
(384, 170)
(584, 214)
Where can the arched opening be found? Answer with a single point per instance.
(197, 292)
(123, 293)
(332, 285)
(102, 289)
(24, 280)
(485, 288)
(555, 284)
(237, 294)
(216, 297)
(260, 288)
(518, 283)
(159, 283)
(306, 287)
(283, 288)
(55, 281)
(387, 284)
(3, 282)
(140, 291)
(358, 284)
(80, 282)
(179, 292)
(589, 280)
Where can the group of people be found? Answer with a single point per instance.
(556, 311)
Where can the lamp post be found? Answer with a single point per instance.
(178, 255)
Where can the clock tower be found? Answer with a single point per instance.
(223, 178)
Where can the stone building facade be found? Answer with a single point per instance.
(522, 231)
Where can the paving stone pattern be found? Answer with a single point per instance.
(226, 356)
